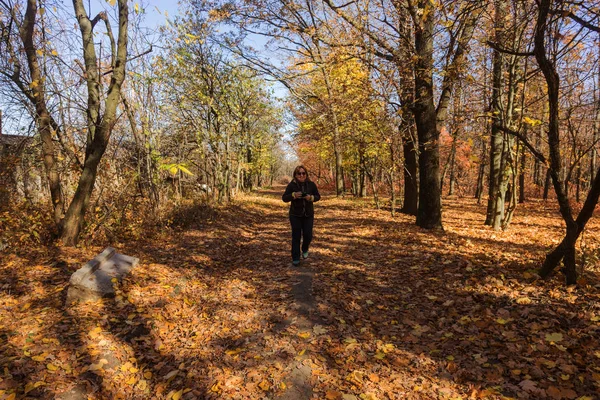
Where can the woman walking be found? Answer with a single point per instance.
(302, 193)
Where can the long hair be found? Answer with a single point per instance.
(297, 169)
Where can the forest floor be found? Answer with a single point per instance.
(381, 310)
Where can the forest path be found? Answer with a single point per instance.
(381, 310)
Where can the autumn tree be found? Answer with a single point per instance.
(21, 33)
(507, 108)
(225, 122)
(101, 112)
(293, 32)
(380, 24)
(32, 82)
(363, 123)
(574, 226)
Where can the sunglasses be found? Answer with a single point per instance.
(301, 173)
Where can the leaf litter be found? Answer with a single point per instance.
(400, 313)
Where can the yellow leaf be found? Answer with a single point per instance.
(147, 374)
(233, 352)
(387, 348)
(355, 377)
(175, 395)
(282, 386)
(379, 355)
(30, 386)
(39, 52)
(304, 335)
(368, 396)
(554, 337)
(39, 358)
(112, 2)
(27, 305)
(142, 385)
(54, 52)
(185, 170)
(11, 396)
(532, 121)
(450, 358)
(595, 318)
(136, 7)
(51, 367)
(301, 353)
(94, 332)
(264, 385)
(132, 380)
(216, 387)
(133, 370)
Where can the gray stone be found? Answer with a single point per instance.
(93, 281)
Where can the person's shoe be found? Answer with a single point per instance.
(295, 263)
(305, 255)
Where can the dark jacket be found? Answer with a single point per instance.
(300, 207)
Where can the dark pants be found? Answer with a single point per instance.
(302, 227)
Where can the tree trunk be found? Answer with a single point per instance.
(537, 171)
(547, 183)
(578, 180)
(523, 159)
(99, 129)
(248, 174)
(407, 137)
(452, 183)
(44, 120)
(410, 203)
(573, 228)
(566, 249)
(363, 183)
(481, 174)
(73, 222)
(429, 212)
(495, 207)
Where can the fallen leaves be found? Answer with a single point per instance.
(454, 315)
(554, 337)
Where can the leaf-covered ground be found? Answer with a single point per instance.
(380, 310)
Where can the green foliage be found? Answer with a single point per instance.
(222, 118)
